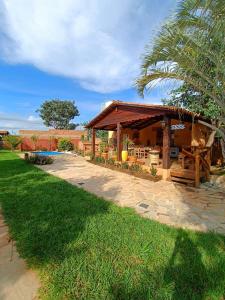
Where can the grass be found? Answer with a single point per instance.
(84, 247)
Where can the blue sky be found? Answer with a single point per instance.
(60, 49)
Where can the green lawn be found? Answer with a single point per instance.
(86, 248)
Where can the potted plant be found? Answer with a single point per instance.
(103, 150)
(132, 157)
(126, 143)
(114, 155)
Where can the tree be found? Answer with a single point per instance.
(58, 113)
(187, 97)
(190, 48)
(13, 141)
(101, 134)
(34, 139)
(72, 126)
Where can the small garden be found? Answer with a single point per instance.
(128, 167)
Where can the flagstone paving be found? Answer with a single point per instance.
(17, 282)
(173, 204)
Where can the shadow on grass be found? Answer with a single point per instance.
(189, 274)
(86, 251)
(45, 215)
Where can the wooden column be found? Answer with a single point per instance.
(93, 142)
(197, 168)
(208, 159)
(166, 143)
(119, 143)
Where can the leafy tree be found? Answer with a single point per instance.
(13, 141)
(101, 134)
(187, 97)
(72, 126)
(190, 48)
(58, 113)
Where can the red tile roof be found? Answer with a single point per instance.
(3, 132)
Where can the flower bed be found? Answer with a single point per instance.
(134, 169)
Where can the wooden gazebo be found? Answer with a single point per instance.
(122, 116)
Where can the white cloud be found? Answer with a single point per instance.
(96, 42)
(14, 123)
(34, 119)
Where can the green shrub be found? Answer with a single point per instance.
(65, 145)
(153, 171)
(38, 159)
(102, 146)
(13, 141)
(124, 165)
(99, 160)
(135, 168)
(110, 161)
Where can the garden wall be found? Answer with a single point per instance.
(47, 140)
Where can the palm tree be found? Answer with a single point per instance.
(190, 48)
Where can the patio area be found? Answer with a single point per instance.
(200, 209)
(177, 142)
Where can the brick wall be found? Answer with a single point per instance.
(47, 140)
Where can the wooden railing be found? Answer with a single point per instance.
(201, 161)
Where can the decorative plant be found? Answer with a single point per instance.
(126, 142)
(38, 159)
(65, 145)
(110, 161)
(153, 171)
(103, 146)
(13, 141)
(135, 168)
(99, 160)
(124, 165)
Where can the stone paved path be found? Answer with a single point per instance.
(199, 209)
(16, 281)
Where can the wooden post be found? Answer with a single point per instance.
(93, 142)
(208, 159)
(166, 143)
(197, 168)
(119, 144)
